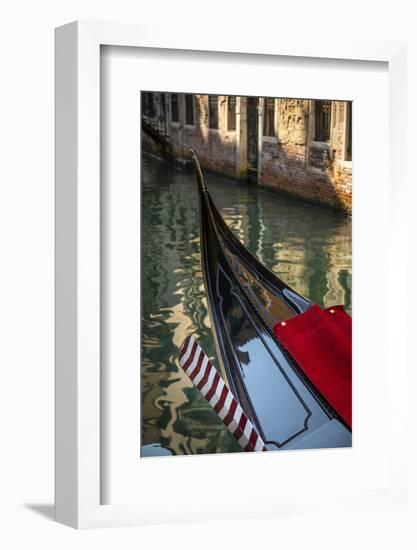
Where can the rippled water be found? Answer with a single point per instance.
(307, 246)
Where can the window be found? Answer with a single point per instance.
(231, 113)
(175, 115)
(213, 111)
(189, 109)
(348, 154)
(323, 113)
(269, 117)
(148, 104)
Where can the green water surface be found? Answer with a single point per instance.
(308, 247)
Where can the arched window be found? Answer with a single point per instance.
(214, 112)
(148, 104)
(322, 119)
(348, 149)
(175, 114)
(269, 117)
(189, 109)
(231, 113)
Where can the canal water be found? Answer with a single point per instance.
(307, 246)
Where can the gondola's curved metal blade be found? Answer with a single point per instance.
(245, 300)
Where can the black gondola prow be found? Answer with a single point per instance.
(199, 174)
(245, 299)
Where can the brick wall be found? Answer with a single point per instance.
(295, 165)
(216, 149)
(291, 162)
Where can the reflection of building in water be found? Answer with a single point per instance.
(290, 265)
(316, 267)
(299, 147)
(338, 275)
(173, 305)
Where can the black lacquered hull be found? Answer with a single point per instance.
(245, 300)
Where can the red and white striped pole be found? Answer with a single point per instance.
(205, 377)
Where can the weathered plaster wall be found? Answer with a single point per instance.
(216, 149)
(293, 164)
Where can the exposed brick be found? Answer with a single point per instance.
(292, 163)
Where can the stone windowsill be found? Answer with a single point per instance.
(319, 144)
(269, 139)
(316, 170)
(346, 164)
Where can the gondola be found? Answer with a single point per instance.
(249, 306)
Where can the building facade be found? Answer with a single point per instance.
(298, 147)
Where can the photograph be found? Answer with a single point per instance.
(245, 273)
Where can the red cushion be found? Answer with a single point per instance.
(321, 343)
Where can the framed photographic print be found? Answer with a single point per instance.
(216, 210)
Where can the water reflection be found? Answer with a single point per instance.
(308, 247)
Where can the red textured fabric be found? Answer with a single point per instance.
(321, 343)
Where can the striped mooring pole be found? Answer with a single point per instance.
(205, 377)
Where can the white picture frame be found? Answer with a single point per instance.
(78, 291)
